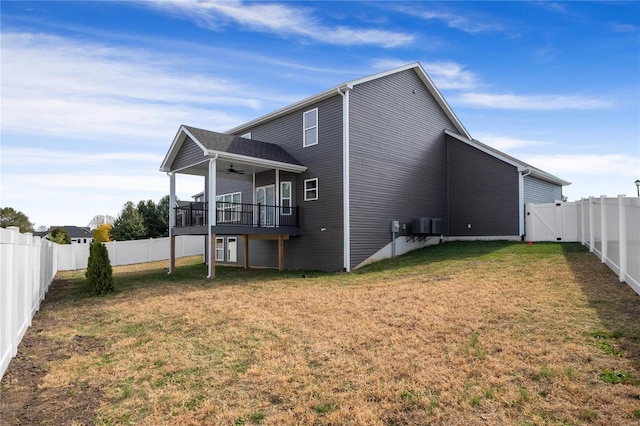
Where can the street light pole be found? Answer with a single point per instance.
(637, 182)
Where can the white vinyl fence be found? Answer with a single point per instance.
(28, 265)
(75, 256)
(610, 227)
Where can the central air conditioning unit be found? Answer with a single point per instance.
(421, 226)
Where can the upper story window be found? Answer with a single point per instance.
(246, 135)
(311, 189)
(310, 128)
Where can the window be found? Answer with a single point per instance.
(310, 128)
(229, 208)
(219, 249)
(285, 198)
(246, 135)
(311, 189)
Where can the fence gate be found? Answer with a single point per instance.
(545, 222)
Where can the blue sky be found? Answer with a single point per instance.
(94, 92)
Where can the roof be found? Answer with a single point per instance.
(214, 141)
(73, 231)
(521, 165)
(416, 66)
(232, 148)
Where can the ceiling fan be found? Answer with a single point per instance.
(232, 170)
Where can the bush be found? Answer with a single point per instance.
(99, 272)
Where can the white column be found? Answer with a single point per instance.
(521, 203)
(277, 196)
(211, 211)
(622, 238)
(172, 202)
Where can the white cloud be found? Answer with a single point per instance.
(531, 102)
(25, 157)
(586, 164)
(506, 143)
(94, 91)
(458, 21)
(280, 19)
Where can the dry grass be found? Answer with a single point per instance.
(464, 333)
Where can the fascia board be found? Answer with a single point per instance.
(257, 161)
(178, 140)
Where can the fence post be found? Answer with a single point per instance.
(13, 291)
(603, 227)
(622, 238)
(591, 224)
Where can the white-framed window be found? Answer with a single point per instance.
(311, 189)
(310, 128)
(219, 249)
(285, 198)
(246, 135)
(229, 208)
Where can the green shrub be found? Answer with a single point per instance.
(99, 272)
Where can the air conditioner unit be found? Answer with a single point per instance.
(421, 226)
(436, 226)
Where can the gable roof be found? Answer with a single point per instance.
(231, 148)
(416, 66)
(73, 231)
(520, 165)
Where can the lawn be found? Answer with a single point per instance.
(462, 333)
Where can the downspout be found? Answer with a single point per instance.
(211, 212)
(521, 176)
(346, 221)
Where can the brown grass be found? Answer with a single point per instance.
(464, 333)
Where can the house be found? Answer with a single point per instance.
(78, 234)
(373, 167)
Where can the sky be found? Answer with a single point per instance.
(93, 93)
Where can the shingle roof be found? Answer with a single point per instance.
(73, 231)
(215, 141)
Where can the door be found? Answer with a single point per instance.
(232, 249)
(266, 200)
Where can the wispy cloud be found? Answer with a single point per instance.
(281, 19)
(456, 20)
(32, 157)
(624, 28)
(506, 143)
(531, 102)
(95, 91)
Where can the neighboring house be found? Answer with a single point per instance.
(330, 174)
(78, 234)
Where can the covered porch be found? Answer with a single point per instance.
(219, 157)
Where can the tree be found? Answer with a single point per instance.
(60, 236)
(99, 272)
(101, 233)
(100, 219)
(152, 220)
(10, 217)
(129, 225)
(163, 214)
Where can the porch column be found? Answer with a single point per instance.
(172, 222)
(280, 252)
(246, 251)
(277, 200)
(212, 217)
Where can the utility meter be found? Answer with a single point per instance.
(395, 226)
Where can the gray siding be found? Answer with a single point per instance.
(540, 191)
(314, 249)
(483, 192)
(398, 168)
(188, 154)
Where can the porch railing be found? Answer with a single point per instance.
(237, 214)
